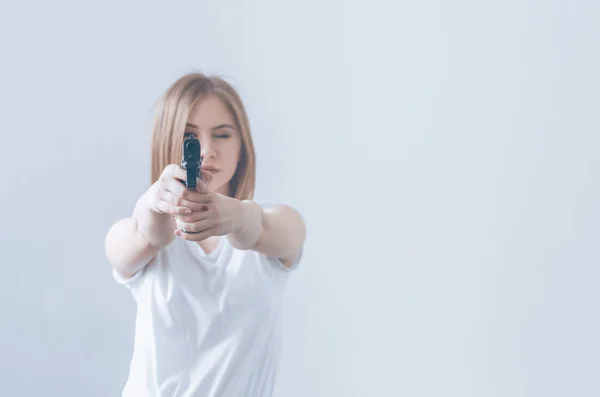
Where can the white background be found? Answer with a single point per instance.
(444, 155)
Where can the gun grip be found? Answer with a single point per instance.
(192, 174)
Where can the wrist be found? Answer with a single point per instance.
(154, 228)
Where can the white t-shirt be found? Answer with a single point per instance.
(207, 325)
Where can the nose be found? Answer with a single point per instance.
(207, 150)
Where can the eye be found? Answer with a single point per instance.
(222, 135)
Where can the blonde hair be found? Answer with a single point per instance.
(171, 116)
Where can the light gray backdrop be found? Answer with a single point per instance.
(444, 155)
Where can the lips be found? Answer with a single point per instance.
(210, 169)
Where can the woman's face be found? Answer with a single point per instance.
(211, 122)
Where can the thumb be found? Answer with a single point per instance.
(206, 177)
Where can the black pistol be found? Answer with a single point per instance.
(191, 160)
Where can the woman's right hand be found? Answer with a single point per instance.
(167, 198)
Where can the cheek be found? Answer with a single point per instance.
(233, 154)
(229, 152)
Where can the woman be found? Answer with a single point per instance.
(207, 267)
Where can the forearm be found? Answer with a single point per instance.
(132, 242)
(277, 232)
(126, 249)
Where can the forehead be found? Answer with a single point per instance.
(210, 111)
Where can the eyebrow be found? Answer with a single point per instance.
(214, 128)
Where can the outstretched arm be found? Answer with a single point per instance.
(278, 232)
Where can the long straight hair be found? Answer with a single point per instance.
(171, 115)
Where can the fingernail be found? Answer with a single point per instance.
(205, 208)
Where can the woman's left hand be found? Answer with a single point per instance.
(220, 217)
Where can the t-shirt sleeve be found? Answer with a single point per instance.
(295, 263)
(128, 282)
(276, 261)
(134, 283)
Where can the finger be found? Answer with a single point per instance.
(195, 216)
(195, 227)
(203, 235)
(195, 206)
(173, 171)
(190, 195)
(169, 208)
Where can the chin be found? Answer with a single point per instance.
(220, 188)
(219, 183)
